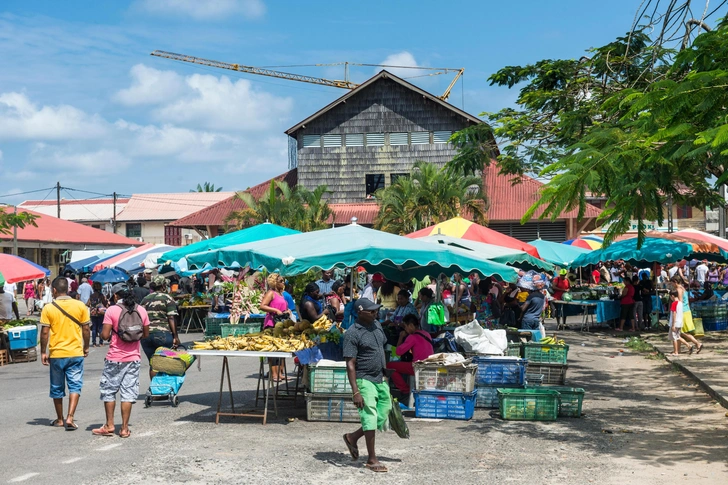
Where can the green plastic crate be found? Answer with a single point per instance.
(571, 401)
(328, 380)
(234, 330)
(545, 353)
(212, 326)
(515, 349)
(528, 404)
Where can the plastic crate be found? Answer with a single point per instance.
(328, 380)
(487, 396)
(530, 404)
(334, 408)
(444, 405)
(570, 401)
(534, 379)
(712, 324)
(454, 378)
(234, 330)
(500, 371)
(515, 349)
(546, 353)
(212, 326)
(24, 337)
(553, 374)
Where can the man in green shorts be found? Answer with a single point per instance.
(364, 352)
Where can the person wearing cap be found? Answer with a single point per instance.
(365, 363)
(370, 291)
(123, 360)
(148, 275)
(84, 291)
(162, 311)
(560, 285)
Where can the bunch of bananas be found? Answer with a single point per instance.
(551, 341)
(322, 323)
(256, 342)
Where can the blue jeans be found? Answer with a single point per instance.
(97, 323)
(156, 339)
(64, 371)
(530, 324)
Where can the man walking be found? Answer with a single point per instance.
(84, 291)
(126, 323)
(65, 325)
(162, 311)
(364, 352)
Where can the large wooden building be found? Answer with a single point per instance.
(375, 133)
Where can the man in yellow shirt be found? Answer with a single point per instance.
(65, 323)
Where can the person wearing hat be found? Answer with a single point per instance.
(560, 286)
(365, 363)
(162, 311)
(123, 360)
(370, 291)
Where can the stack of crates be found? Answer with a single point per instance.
(445, 391)
(330, 397)
(548, 360)
(714, 314)
(497, 373)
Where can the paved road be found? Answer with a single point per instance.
(644, 424)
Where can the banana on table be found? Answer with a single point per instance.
(551, 341)
(256, 342)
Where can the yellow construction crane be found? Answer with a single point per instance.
(344, 84)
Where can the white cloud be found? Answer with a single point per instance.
(403, 58)
(64, 159)
(22, 119)
(205, 9)
(151, 86)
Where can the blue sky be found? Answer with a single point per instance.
(82, 101)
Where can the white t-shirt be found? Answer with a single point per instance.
(701, 272)
(368, 293)
(11, 289)
(6, 306)
(671, 272)
(677, 316)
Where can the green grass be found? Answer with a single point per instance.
(639, 345)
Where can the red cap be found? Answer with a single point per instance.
(378, 277)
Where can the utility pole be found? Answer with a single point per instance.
(669, 215)
(15, 233)
(114, 223)
(58, 198)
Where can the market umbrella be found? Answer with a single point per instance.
(15, 268)
(250, 234)
(87, 264)
(703, 236)
(586, 242)
(559, 254)
(465, 229)
(499, 254)
(120, 258)
(654, 250)
(109, 275)
(398, 258)
(135, 263)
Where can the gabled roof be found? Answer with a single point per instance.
(168, 207)
(383, 75)
(52, 230)
(215, 214)
(87, 210)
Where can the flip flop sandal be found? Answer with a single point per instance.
(124, 435)
(690, 351)
(54, 423)
(377, 468)
(699, 349)
(102, 431)
(353, 450)
(70, 427)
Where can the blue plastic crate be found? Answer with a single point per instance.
(22, 338)
(714, 325)
(500, 371)
(444, 405)
(487, 396)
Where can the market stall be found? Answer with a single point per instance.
(559, 254)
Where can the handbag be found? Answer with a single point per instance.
(396, 420)
(436, 314)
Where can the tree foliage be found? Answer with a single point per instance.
(206, 187)
(20, 220)
(428, 196)
(293, 207)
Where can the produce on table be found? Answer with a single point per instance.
(245, 301)
(289, 327)
(260, 342)
(18, 323)
(551, 341)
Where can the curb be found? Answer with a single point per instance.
(722, 400)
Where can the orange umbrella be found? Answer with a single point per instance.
(465, 229)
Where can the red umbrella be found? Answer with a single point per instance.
(15, 268)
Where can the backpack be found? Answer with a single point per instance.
(130, 327)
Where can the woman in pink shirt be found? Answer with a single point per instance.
(414, 345)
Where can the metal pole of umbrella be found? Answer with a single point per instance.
(15, 232)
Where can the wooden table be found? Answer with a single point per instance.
(226, 373)
(192, 313)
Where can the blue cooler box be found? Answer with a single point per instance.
(25, 337)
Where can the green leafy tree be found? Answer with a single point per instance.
(20, 220)
(206, 187)
(429, 196)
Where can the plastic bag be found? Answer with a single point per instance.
(396, 420)
(473, 338)
(436, 314)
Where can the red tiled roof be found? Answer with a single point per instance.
(30, 203)
(58, 231)
(509, 202)
(215, 214)
(365, 213)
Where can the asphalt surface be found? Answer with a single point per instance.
(644, 424)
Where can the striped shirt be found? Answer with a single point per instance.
(325, 286)
(366, 345)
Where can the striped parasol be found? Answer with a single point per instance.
(588, 241)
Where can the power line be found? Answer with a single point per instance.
(29, 192)
(41, 202)
(87, 192)
(85, 206)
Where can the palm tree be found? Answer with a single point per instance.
(431, 195)
(315, 209)
(206, 187)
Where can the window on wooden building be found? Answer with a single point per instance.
(375, 139)
(684, 212)
(332, 140)
(133, 230)
(441, 136)
(398, 139)
(311, 141)
(374, 182)
(393, 177)
(420, 137)
(355, 139)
